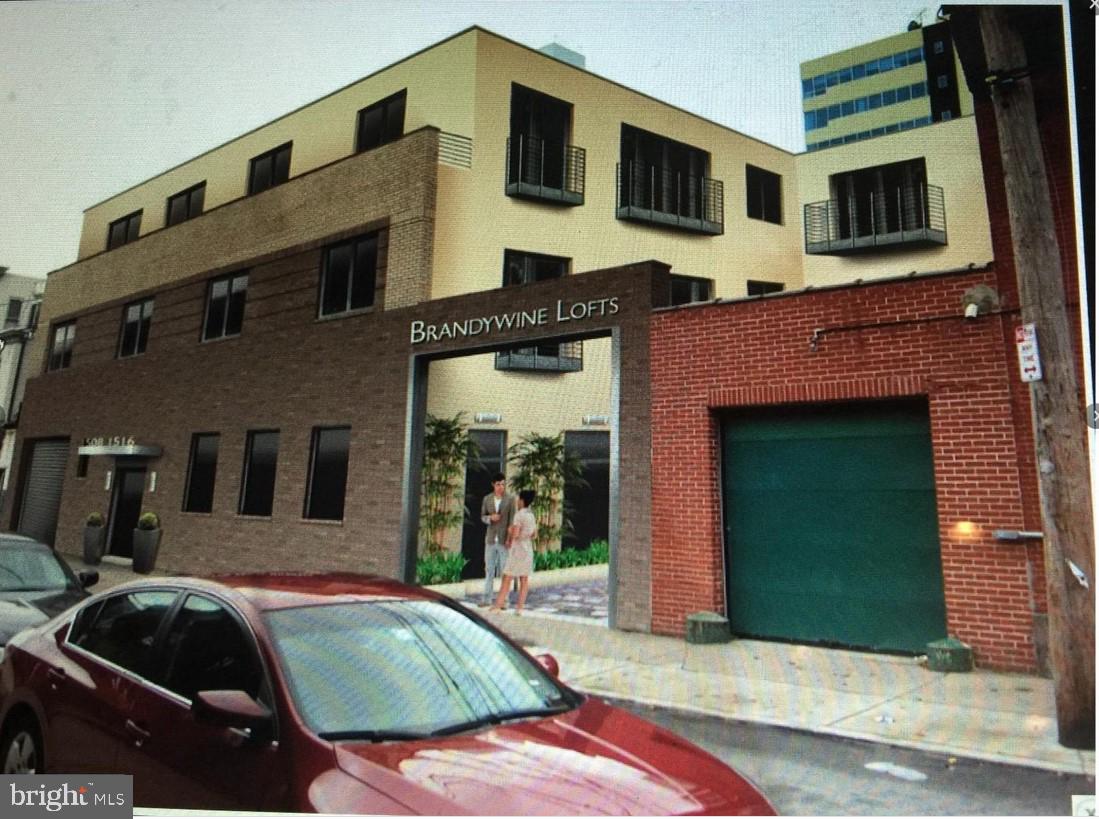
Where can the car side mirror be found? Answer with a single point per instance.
(549, 662)
(87, 579)
(233, 709)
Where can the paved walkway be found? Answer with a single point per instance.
(1007, 718)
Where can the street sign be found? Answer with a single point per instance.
(1030, 364)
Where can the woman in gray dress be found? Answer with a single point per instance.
(520, 562)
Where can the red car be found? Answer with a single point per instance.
(333, 693)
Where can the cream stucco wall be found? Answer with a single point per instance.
(952, 157)
(440, 93)
(476, 222)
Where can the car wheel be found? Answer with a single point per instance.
(21, 747)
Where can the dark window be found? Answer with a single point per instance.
(32, 319)
(688, 289)
(938, 47)
(122, 629)
(348, 275)
(381, 122)
(225, 306)
(207, 649)
(269, 169)
(882, 199)
(15, 308)
(201, 473)
(324, 495)
(136, 319)
(761, 288)
(539, 134)
(942, 81)
(124, 230)
(663, 175)
(258, 483)
(186, 204)
(521, 267)
(764, 194)
(81, 466)
(61, 346)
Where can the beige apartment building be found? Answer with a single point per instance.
(535, 169)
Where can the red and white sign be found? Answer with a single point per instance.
(1030, 364)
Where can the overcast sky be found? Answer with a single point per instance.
(96, 96)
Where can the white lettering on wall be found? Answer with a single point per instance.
(420, 331)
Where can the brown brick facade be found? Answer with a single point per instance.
(293, 372)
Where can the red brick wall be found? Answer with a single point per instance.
(755, 353)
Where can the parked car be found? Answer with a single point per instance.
(332, 693)
(35, 585)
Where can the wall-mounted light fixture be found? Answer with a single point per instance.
(596, 420)
(488, 418)
(1016, 534)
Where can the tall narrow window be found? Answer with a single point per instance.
(124, 230)
(186, 204)
(61, 346)
(15, 309)
(381, 122)
(201, 472)
(348, 275)
(225, 306)
(764, 194)
(269, 169)
(257, 486)
(136, 319)
(324, 496)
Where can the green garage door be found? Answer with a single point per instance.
(830, 526)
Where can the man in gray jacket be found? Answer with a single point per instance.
(497, 510)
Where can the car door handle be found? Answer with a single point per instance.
(137, 732)
(56, 676)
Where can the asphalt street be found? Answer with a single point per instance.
(811, 774)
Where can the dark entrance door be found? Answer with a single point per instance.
(492, 457)
(588, 505)
(129, 486)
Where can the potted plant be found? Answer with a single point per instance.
(94, 538)
(146, 542)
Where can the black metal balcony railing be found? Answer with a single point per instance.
(567, 357)
(913, 216)
(546, 170)
(664, 196)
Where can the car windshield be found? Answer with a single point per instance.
(393, 669)
(31, 570)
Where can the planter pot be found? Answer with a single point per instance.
(94, 538)
(146, 546)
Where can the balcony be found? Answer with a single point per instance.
(544, 358)
(902, 217)
(545, 170)
(670, 198)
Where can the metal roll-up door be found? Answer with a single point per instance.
(831, 526)
(42, 489)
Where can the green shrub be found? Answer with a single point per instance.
(439, 567)
(95, 519)
(598, 551)
(148, 520)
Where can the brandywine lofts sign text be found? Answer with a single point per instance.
(516, 320)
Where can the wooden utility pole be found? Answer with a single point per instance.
(1059, 431)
